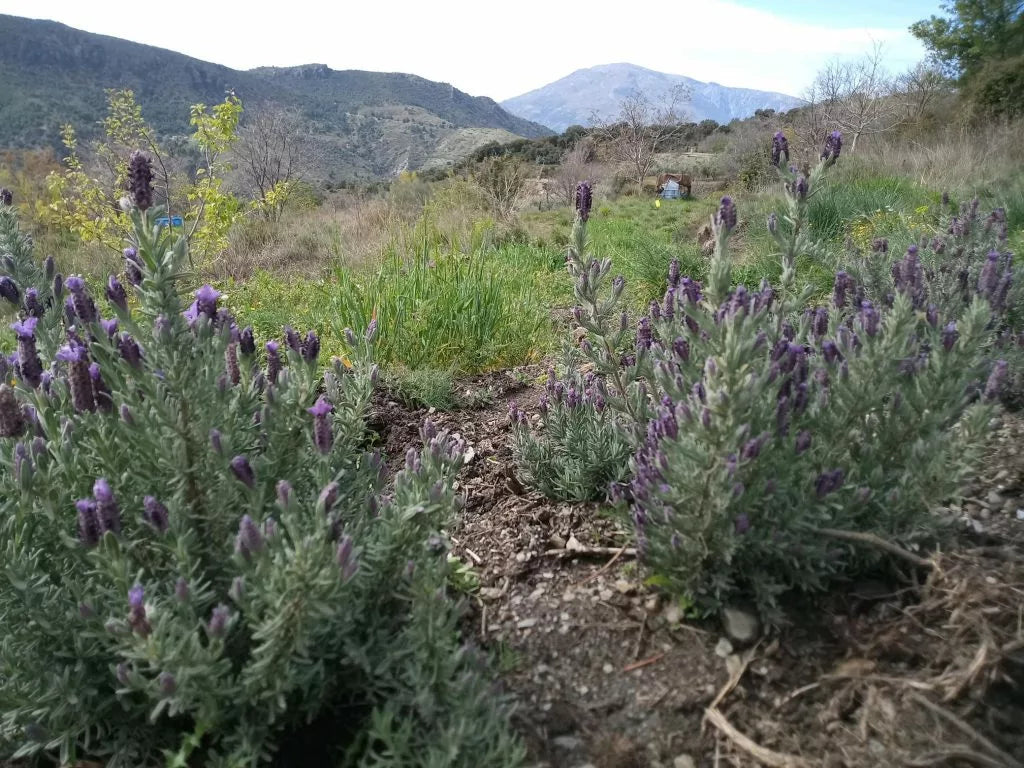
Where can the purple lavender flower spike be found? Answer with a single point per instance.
(217, 626)
(81, 301)
(988, 279)
(243, 471)
(673, 273)
(292, 341)
(346, 558)
(107, 511)
(869, 318)
(9, 290)
(780, 148)
(839, 289)
(82, 395)
(133, 266)
(742, 523)
(803, 441)
(206, 301)
(802, 187)
(249, 540)
(996, 380)
(310, 347)
(109, 326)
(819, 325)
(246, 342)
(584, 199)
(833, 146)
(828, 482)
(130, 351)
(140, 180)
(32, 305)
(116, 294)
(167, 684)
(101, 392)
(155, 513)
(181, 590)
(273, 361)
(949, 336)
(12, 416)
(284, 494)
(137, 611)
(726, 216)
(29, 364)
(231, 363)
(329, 497)
(643, 334)
(88, 523)
(322, 437)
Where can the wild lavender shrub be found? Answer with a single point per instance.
(967, 257)
(199, 555)
(581, 449)
(765, 432)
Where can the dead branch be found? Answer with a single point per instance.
(877, 542)
(1008, 760)
(766, 756)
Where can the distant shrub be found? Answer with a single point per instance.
(201, 564)
(423, 387)
(580, 450)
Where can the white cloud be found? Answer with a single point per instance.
(498, 50)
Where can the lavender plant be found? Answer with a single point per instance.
(201, 556)
(770, 437)
(582, 448)
(965, 258)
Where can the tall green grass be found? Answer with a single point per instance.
(435, 309)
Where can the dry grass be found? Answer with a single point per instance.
(958, 157)
(354, 230)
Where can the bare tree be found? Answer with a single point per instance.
(854, 96)
(642, 128)
(919, 88)
(574, 168)
(503, 181)
(273, 149)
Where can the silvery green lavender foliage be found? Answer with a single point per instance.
(761, 429)
(581, 449)
(967, 257)
(199, 555)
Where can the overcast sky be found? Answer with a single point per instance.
(504, 49)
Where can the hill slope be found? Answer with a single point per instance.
(373, 122)
(574, 99)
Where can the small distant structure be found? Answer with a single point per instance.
(680, 181)
(670, 190)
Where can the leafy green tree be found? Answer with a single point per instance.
(82, 200)
(980, 42)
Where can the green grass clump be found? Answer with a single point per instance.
(444, 310)
(423, 387)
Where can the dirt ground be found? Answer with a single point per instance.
(926, 671)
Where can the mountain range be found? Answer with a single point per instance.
(359, 124)
(365, 124)
(598, 92)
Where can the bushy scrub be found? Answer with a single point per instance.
(775, 445)
(966, 257)
(201, 560)
(581, 449)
